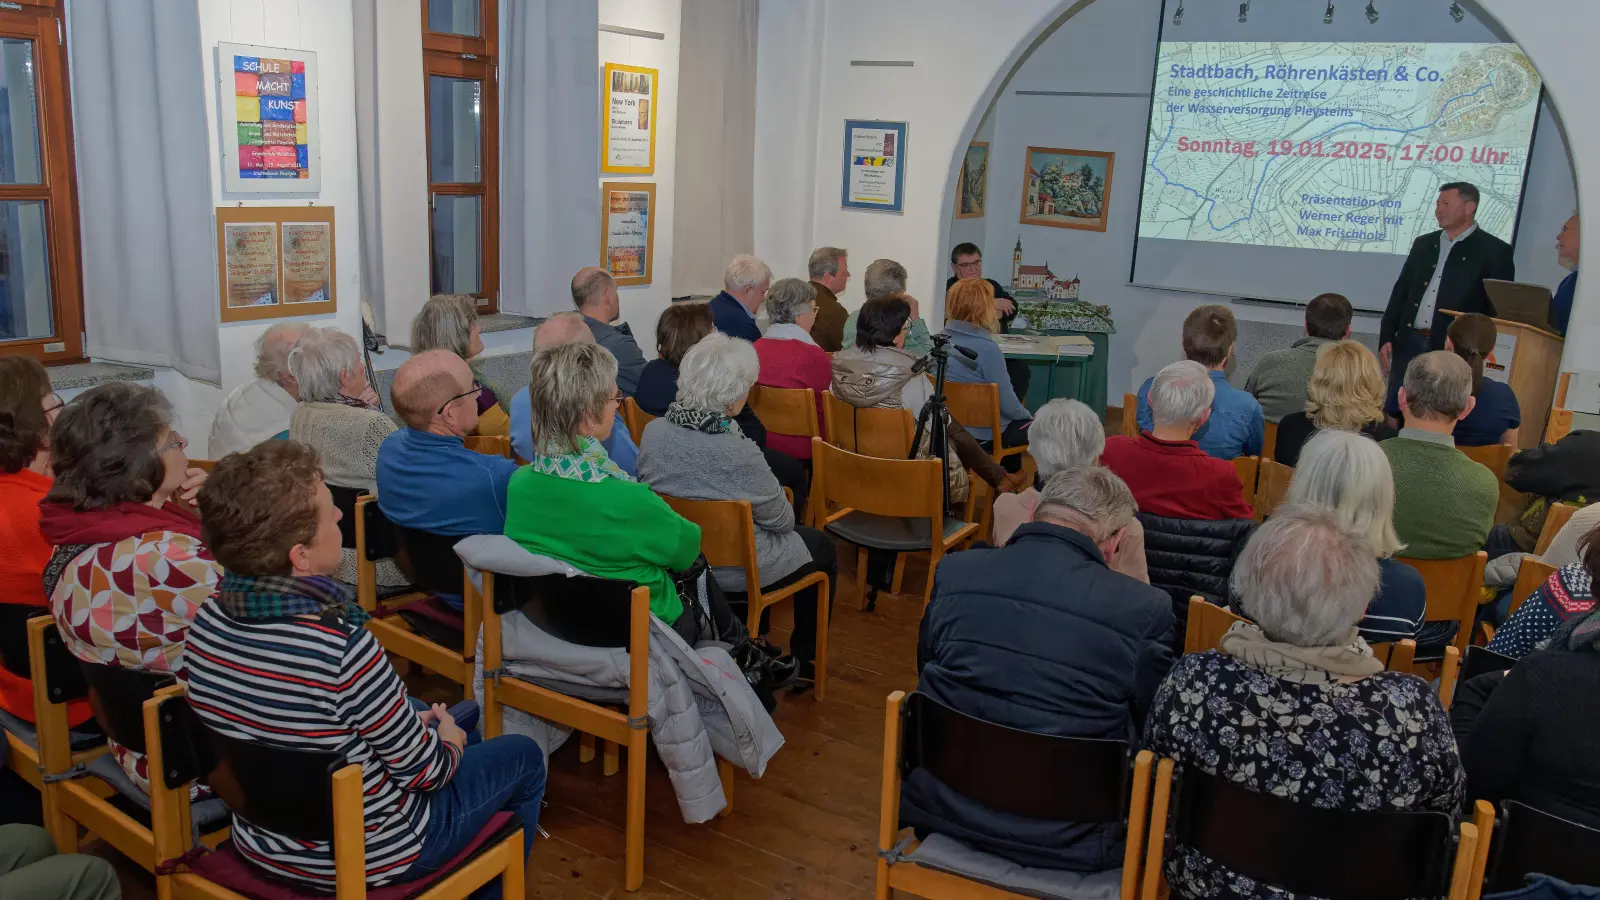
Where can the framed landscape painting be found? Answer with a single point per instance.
(1067, 188)
(974, 181)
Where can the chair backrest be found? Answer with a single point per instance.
(204, 465)
(1297, 847)
(727, 533)
(885, 433)
(791, 411)
(117, 696)
(1396, 656)
(14, 636)
(635, 418)
(582, 610)
(1555, 519)
(1272, 486)
(1494, 456)
(1021, 773)
(379, 532)
(63, 678)
(1453, 588)
(1207, 624)
(1529, 840)
(250, 777)
(1531, 575)
(489, 444)
(974, 404)
(1247, 467)
(1130, 415)
(428, 560)
(1269, 441)
(345, 500)
(906, 488)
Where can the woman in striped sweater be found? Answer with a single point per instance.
(279, 655)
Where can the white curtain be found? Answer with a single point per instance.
(144, 184)
(716, 143)
(549, 150)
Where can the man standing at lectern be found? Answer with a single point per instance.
(1445, 270)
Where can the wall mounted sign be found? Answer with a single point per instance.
(628, 231)
(275, 261)
(874, 165)
(628, 112)
(268, 117)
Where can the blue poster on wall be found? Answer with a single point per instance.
(874, 165)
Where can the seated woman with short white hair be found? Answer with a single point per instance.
(697, 452)
(1293, 703)
(1065, 434)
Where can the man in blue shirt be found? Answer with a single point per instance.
(594, 292)
(744, 286)
(427, 478)
(1567, 254)
(1236, 427)
(567, 328)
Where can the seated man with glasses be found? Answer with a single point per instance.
(427, 478)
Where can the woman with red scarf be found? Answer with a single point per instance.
(130, 569)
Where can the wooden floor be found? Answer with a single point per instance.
(806, 829)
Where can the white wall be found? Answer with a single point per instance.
(642, 304)
(975, 230)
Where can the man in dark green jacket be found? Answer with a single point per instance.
(1279, 379)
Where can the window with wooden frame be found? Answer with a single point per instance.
(459, 59)
(41, 294)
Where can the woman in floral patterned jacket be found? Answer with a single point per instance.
(1295, 704)
(129, 570)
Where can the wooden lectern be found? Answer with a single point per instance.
(1533, 370)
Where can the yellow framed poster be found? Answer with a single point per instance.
(628, 115)
(628, 231)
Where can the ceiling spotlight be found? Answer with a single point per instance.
(1372, 12)
(1244, 11)
(1177, 17)
(1327, 17)
(1456, 12)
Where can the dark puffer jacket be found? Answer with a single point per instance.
(1038, 635)
(1192, 556)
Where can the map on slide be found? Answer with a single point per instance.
(1333, 145)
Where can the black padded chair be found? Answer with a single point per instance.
(20, 737)
(344, 499)
(1038, 776)
(433, 634)
(1528, 840)
(1335, 854)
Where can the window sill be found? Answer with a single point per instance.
(89, 374)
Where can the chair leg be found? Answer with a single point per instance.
(612, 760)
(586, 748)
(861, 577)
(633, 842)
(725, 772)
(752, 616)
(511, 880)
(63, 831)
(821, 661)
(899, 573)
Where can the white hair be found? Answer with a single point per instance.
(1438, 385)
(1306, 578)
(1349, 475)
(717, 371)
(789, 299)
(1092, 498)
(745, 272)
(319, 360)
(1065, 433)
(884, 278)
(1181, 393)
(273, 346)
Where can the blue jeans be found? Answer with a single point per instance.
(506, 773)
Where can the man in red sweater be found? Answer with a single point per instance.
(1167, 471)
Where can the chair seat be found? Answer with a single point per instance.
(25, 731)
(946, 854)
(889, 532)
(224, 866)
(432, 618)
(208, 815)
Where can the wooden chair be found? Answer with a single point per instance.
(490, 445)
(21, 739)
(1554, 520)
(791, 411)
(1560, 422)
(977, 405)
(1272, 486)
(884, 433)
(325, 805)
(881, 504)
(205, 465)
(97, 796)
(635, 418)
(1014, 772)
(1209, 622)
(1269, 441)
(1130, 415)
(589, 612)
(1248, 467)
(1454, 587)
(418, 628)
(1305, 850)
(1531, 575)
(1529, 840)
(1492, 456)
(728, 538)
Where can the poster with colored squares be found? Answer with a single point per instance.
(269, 100)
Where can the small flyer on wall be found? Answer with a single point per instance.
(629, 223)
(874, 165)
(307, 262)
(629, 134)
(251, 263)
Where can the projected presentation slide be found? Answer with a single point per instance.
(1333, 145)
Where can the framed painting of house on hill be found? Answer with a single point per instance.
(1067, 188)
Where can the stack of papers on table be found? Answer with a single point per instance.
(1075, 345)
(1060, 346)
